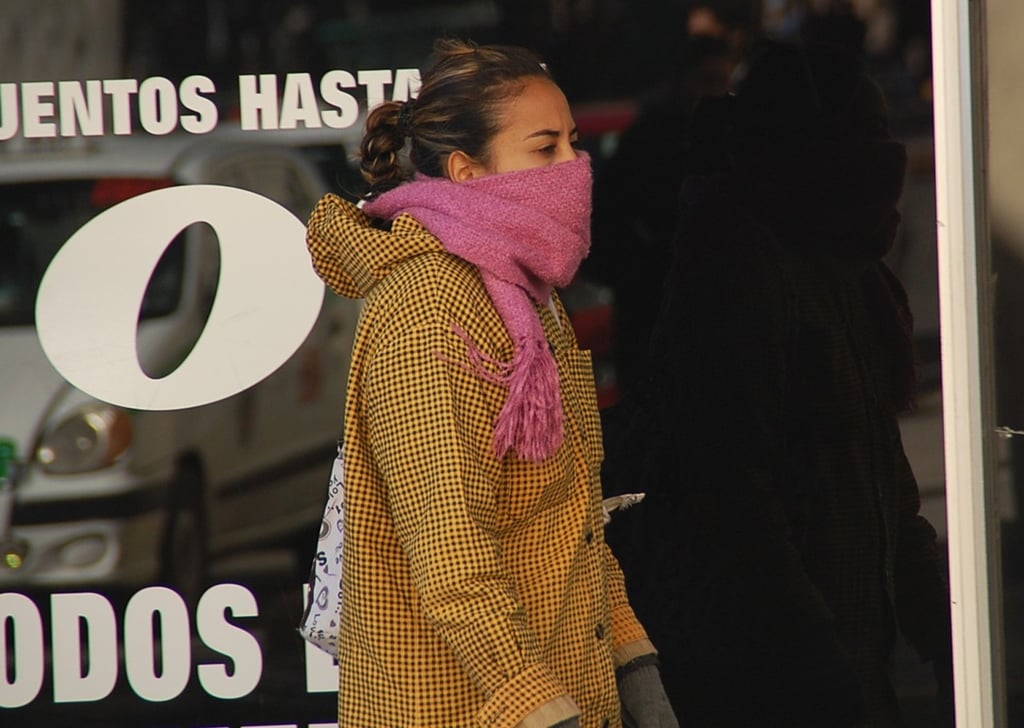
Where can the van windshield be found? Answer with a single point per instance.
(36, 219)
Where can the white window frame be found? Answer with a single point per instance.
(964, 310)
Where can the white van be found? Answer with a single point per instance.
(92, 494)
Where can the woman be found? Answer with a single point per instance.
(478, 589)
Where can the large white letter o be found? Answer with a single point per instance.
(267, 300)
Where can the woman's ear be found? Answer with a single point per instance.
(462, 167)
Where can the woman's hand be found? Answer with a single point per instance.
(643, 698)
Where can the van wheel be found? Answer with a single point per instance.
(183, 553)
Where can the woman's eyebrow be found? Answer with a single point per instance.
(549, 133)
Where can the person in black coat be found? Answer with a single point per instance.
(780, 550)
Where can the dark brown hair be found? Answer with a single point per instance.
(458, 108)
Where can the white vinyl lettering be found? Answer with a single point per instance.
(158, 106)
(121, 91)
(220, 635)
(36, 106)
(299, 103)
(144, 646)
(347, 106)
(375, 81)
(9, 116)
(267, 300)
(28, 655)
(80, 110)
(258, 101)
(191, 93)
(407, 84)
(68, 613)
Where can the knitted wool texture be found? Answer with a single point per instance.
(527, 232)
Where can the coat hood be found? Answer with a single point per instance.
(351, 254)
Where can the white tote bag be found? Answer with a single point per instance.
(322, 614)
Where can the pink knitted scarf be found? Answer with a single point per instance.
(527, 232)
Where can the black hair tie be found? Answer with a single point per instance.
(405, 119)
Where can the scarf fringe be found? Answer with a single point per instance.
(530, 422)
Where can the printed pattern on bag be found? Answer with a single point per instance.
(321, 618)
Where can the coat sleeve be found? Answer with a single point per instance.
(629, 638)
(424, 422)
(922, 591)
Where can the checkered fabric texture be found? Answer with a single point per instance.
(478, 591)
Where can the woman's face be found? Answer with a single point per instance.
(537, 131)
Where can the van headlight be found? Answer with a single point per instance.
(90, 438)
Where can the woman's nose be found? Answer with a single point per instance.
(566, 152)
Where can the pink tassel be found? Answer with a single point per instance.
(531, 420)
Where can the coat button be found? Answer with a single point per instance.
(590, 535)
(606, 723)
(599, 631)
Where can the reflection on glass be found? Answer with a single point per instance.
(36, 218)
(1005, 184)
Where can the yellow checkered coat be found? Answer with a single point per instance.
(477, 591)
